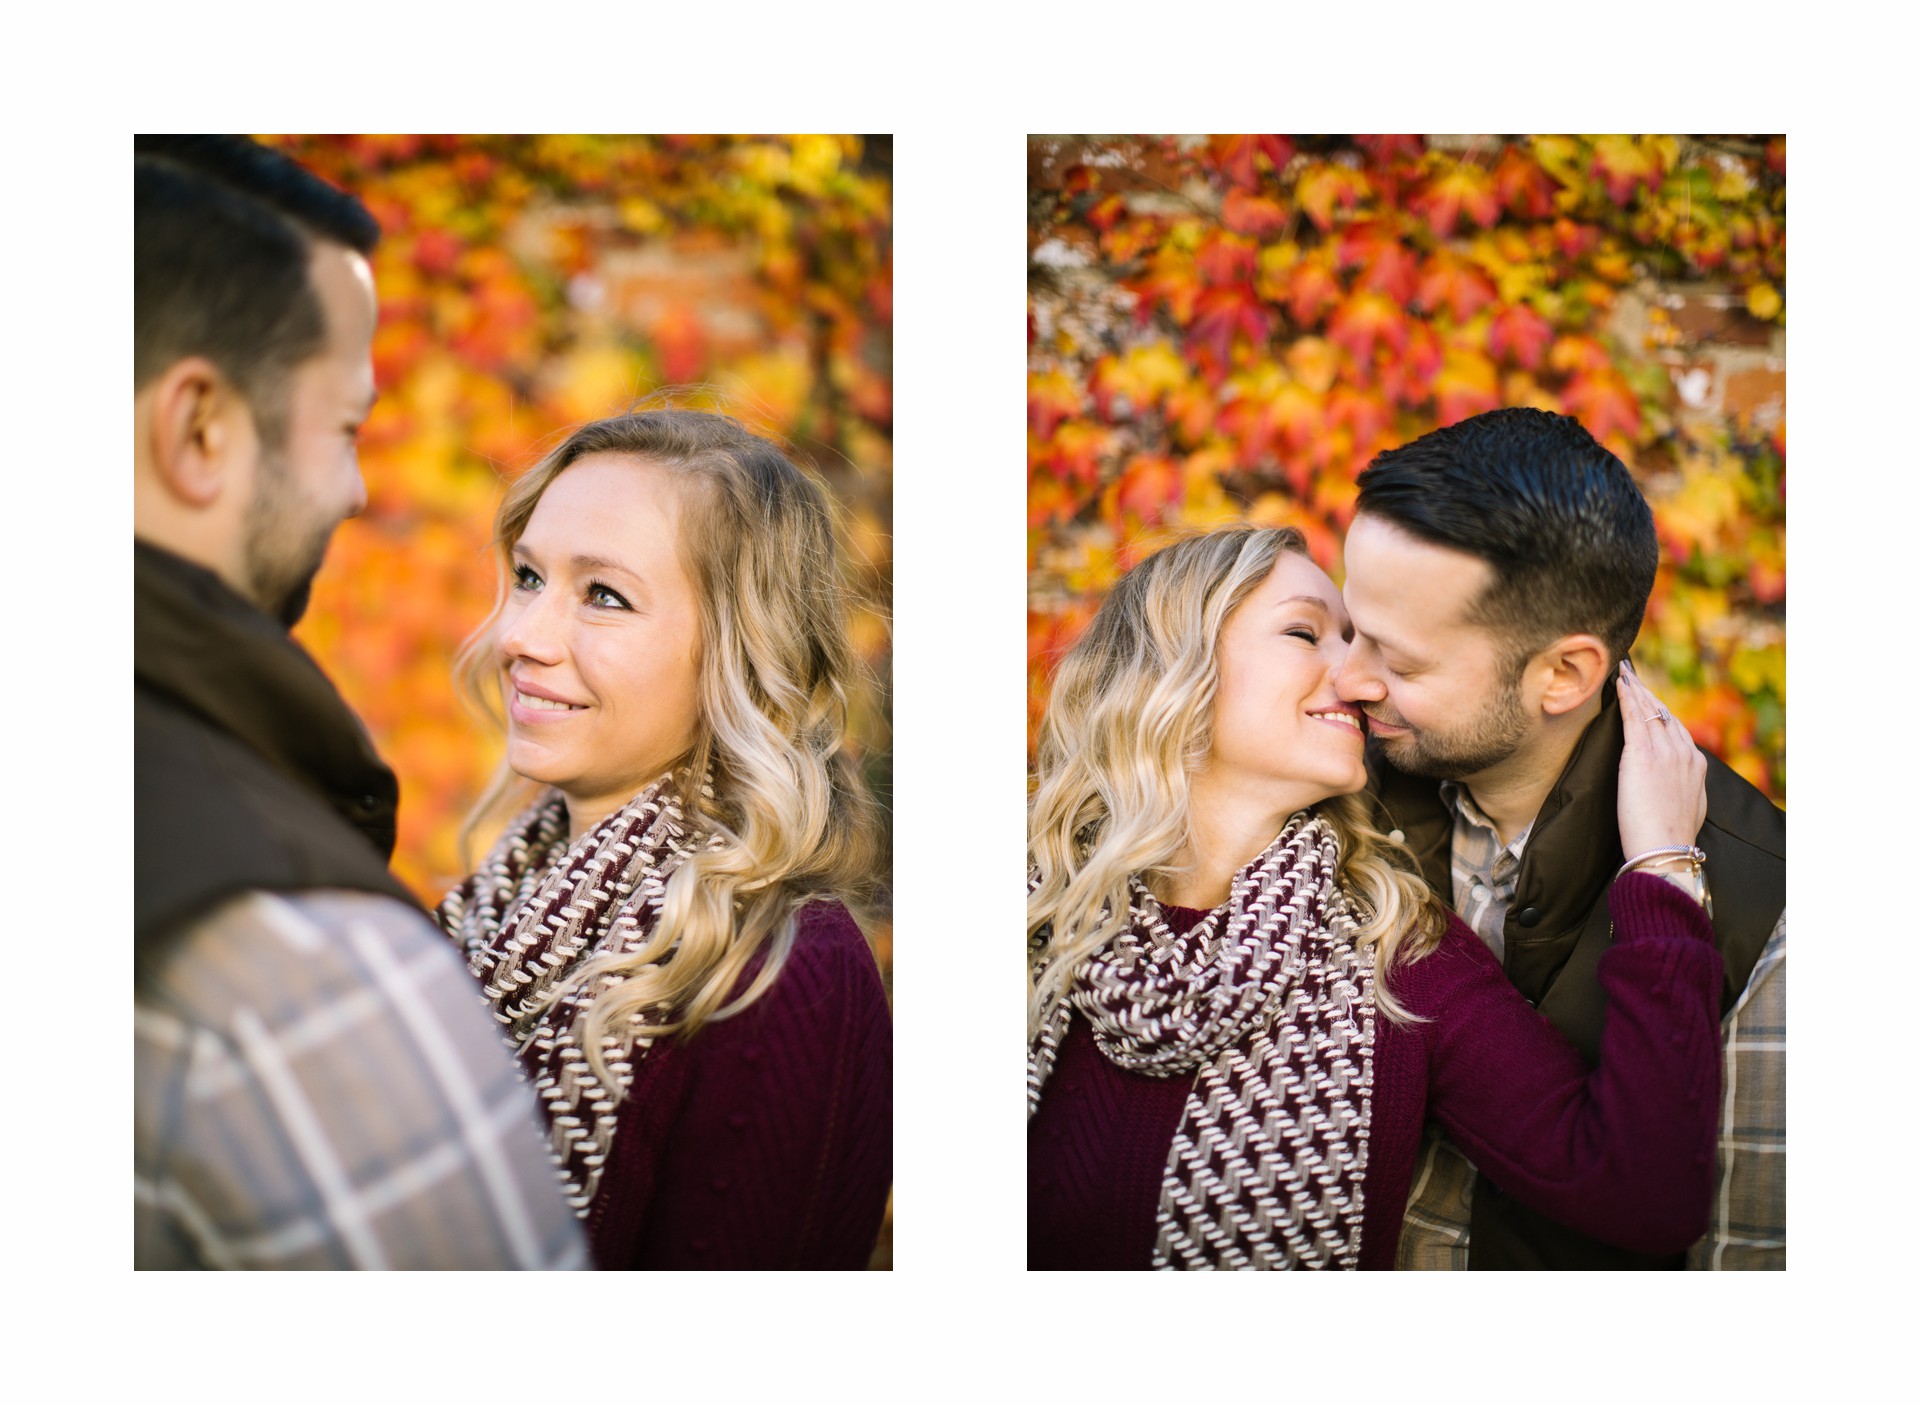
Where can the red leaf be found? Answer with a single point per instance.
(1252, 214)
(1367, 417)
(1388, 265)
(1148, 490)
(1220, 315)
(1106, 214)
(1312, 288)
(1602, 401)
(1364, 321)
(1384, 150)
(1522, 185)
(1234, 156)
(1467, 385)
(1451, 282)
(1323, 189)
(1520, 336)
(1226, 258)
(1459, 188)
(1052, 396)
(1626, 166)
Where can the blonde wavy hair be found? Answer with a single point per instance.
(1129, 722)
(776, 672)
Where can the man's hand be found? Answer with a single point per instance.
(1663, 776)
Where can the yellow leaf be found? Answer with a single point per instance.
(1764, 301)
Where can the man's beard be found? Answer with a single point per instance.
(1482, 742)
(285, 542)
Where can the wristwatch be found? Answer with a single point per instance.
(1692, 880)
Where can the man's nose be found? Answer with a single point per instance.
(1355, 681)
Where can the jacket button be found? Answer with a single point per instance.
(736, 1120)
(1528, 917)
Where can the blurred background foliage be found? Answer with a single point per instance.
(530, 283)
(1229, 328)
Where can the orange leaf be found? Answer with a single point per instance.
(1364, 321)
(1234, 156)
(1388, 265)
(1626, 165)
(1519, 335)
(1226, 258)
(1252, 214)
(1384, 150)
(1106, 214)
(1522, 186)
(1467, 385)
(1451, 282)
(1324, 188)
(1051, 397)
(1312, 288)
(1149, 489)
(1459, 188)
(1604, 403)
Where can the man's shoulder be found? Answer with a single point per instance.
(279, 954)
(1736, 807)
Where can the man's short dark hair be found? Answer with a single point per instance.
(1558, 518)
(223, 228)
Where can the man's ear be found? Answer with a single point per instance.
(199, 431)
(1569, 671)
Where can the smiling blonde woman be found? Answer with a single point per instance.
(1242, 1007)
(664, 931)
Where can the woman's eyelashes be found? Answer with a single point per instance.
(606, 597)
(598, 594)
(1306, 632)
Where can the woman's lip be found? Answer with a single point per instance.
(534, 690)
(521, 713)
(1360, 720)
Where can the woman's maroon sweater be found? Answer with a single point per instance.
(764, 1140)
(1624, 1152)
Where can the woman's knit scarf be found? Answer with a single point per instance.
(532, 914)
(1270, 1004)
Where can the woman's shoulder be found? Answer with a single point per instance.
(830, 966)
(1459, 961)
(827, 924)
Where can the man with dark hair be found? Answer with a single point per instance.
(316, 1083)
(1497, 574)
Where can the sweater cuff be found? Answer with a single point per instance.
(1645, 904)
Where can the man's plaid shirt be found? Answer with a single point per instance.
(1749, 1227)
(317, 1085)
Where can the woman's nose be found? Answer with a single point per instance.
(527, 630)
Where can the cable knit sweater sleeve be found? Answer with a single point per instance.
(1624, 1152)
(765, 1140)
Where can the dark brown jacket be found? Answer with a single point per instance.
(250, 771)
(1558, 926)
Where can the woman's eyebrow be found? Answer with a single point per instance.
(1313, 600)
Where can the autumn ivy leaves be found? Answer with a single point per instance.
(1233, 326)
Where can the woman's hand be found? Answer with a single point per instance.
(1663, 776)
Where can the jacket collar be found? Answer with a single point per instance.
(201, 646)
(1573, 847)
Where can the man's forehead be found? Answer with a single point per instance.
(1397, 582)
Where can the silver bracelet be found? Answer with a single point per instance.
(1692, 855)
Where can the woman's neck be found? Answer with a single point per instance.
(1227, 829)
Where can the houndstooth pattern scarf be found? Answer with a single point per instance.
(1269, 1004)
(530, 916)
